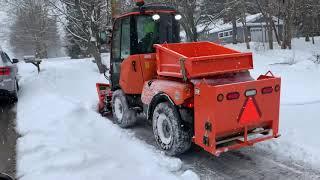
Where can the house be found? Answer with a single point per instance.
(222, 33)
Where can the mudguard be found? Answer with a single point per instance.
(178, 92)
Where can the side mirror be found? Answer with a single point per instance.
(29, 59)
(5, 177)
(15, 61)
(105, 36)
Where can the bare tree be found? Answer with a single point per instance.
(243, 19)
(231, 13)
(289, 8)
(88, 19)
(267, 11)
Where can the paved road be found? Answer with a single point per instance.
(7, 139)
(249, 163)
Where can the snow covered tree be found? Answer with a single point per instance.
(84, 20)
(33, 31)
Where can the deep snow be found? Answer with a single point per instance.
(63, 137)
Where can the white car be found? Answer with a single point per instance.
(8, 77)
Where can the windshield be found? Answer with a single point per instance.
(148, 32)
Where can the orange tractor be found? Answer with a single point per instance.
(197, 92)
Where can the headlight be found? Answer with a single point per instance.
(156, 17)
(178, 17)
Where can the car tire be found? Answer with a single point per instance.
(122, 114)
(171, 135)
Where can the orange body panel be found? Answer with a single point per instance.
(177, 91)
(148, 66)
(131, 76)
(201, 59)
(224, 117)
(135, 70)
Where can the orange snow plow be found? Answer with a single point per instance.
(197, 92)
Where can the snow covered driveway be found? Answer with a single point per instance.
(64, 138)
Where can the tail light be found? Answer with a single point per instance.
(277, 88)
(233, 95)
(4, 71)
(267, 90)
(189, 103)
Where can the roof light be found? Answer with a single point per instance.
(156, 17)
(178, 17)
(139, 3)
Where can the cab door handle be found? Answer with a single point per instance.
(134, 66)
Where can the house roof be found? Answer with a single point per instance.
(219, 25)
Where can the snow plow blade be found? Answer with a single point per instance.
(104, 95)
(235, 115)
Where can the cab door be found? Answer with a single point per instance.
(125, 66)
(115, 58)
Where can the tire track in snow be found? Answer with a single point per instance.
(301, 103)
(248, 163)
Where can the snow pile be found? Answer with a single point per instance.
(300, 97)
(64, 138)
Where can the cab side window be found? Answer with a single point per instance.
(125, 38)
(121, 40)
(116, 40)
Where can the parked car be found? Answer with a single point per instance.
(8, 77)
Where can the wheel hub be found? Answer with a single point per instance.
(164, 129)
(118, 109)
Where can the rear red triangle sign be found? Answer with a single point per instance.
(250, 113)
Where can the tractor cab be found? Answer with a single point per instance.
(135, 33)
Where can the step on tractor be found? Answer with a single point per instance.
(195, 92)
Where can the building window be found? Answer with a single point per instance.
(255, 29)
(225, 34)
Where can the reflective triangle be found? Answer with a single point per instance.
(250, 113)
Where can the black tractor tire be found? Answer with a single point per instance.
(122, 114)
(171, 135)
